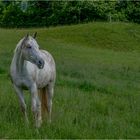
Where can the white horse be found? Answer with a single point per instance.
(34, 69)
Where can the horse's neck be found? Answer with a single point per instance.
(19, 62)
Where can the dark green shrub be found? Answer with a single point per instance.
(12, 16)
(47, 13)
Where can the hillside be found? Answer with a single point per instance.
(97, 89)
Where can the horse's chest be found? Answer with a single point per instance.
(40, 76)
(22, 81)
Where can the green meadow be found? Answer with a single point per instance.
(97, 92)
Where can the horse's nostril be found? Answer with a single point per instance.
(40, 62)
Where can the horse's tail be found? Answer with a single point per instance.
(43, 99)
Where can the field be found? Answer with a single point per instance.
(97, 92)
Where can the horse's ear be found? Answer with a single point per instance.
(27, 35)
(24, 40)
(34, 35)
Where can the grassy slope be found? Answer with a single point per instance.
(97, 90)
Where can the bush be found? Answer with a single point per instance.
(48, 13)
(12, 16)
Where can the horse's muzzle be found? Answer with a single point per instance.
(40, 64)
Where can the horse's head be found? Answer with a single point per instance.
(31, 52)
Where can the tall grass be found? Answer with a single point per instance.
(97, 93)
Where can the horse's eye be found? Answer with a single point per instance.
(29, 47)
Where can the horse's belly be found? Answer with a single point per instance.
(43, 78)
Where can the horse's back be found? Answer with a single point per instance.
(43, 76)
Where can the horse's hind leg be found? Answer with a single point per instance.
(50, 90)
(22, 102)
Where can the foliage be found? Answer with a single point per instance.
(12, 16)
(133, 11)
(47, 13)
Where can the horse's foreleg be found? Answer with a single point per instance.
(50, 90)
(20, 95)
(36, 106)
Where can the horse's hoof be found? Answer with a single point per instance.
(38, 123)
(49, 120)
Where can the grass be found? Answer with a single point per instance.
(97, 93)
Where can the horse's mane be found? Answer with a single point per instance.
(18, 46)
